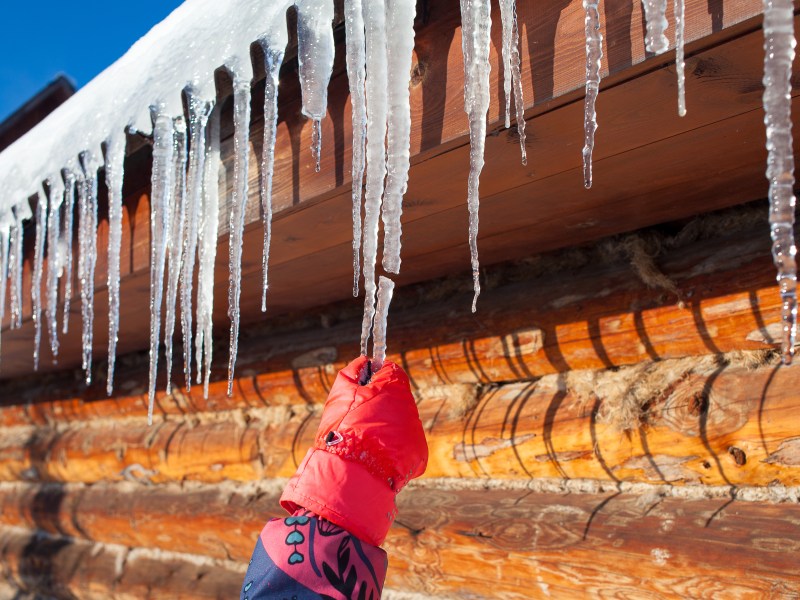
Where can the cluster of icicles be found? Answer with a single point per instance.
(186, 162)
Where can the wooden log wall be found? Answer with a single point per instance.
(621, 431)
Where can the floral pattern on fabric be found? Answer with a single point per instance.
(305, 556)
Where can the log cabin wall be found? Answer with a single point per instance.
(613, 421)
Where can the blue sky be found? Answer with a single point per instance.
(80, 39)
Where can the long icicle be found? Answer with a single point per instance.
(376, 86)
(175, 238)
(680, 63)
(198, 120)
(66, 243)
(385, 292)
(241, 140)
(207, 253)
(273, 59)
(356, 75)
(400, 46)
(87, 200)
(512, 72)
(114, 168)
(21, 212)
(54, 259)
(163, 172)
(594, 54)
(38, 266)
(779, 45)
(476, 23)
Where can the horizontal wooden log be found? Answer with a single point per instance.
(684, 422)
(481, 543)
(306, 235)
(64, 568)
(533, 322)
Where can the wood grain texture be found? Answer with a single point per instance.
(533, 321)
(64, 568)
(701, 422)
(488, 543)
(641, 136)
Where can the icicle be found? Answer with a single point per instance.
(114, 168)
(162, 175)
(6, 223)
(385, 292)
(400, 45)
(273, 58)
(356, 74)
(21, 212)
(476, 23)
(655, 14)
(315, 62)
(512, 74)
(66, 243)
(198, 119)
(87, 236)
(54, 259)
(680, 64)
(241, 138)
(175, 237)
(38, 266)
(779, 44)
(209, 224)
(594, 54)
(377, 108)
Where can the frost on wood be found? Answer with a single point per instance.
(594, 54)
(779, 44)
(115, 163)
(655, 14)
(476, 23)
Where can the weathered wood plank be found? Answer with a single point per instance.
(688, 421)
(306, 234)
(489, 543)
(69, 568)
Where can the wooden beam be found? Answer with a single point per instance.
(532, 322)
(492, 542)
(688, 421)
(311, 251)
(69, 568)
